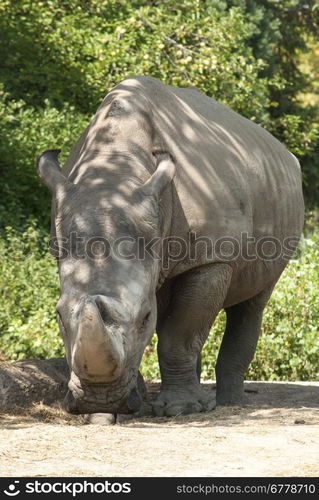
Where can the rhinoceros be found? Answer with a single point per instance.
(170, 208)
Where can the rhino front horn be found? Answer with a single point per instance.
(98, 354)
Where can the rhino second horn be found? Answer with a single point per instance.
(162, 177)
(49, 171)
(98, 354)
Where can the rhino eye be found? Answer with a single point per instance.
(146, 318)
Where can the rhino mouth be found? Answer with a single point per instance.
(102, 398)
(101, 404)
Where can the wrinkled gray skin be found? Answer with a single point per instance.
(163, 161)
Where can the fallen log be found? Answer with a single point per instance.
(24, 383)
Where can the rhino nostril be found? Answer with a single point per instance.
(102, 307)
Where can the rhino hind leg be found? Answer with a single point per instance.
(196, 297)
(238, 348)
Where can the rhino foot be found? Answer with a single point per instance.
(173, 402)
(231, 399)
(230, 391)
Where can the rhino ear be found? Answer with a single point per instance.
(162, 176)
(49, 171)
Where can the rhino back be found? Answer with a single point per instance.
(231, 171)
(232, 175)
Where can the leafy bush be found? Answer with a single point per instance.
(25, 132)
(75, 51)
(65, 56)
(29, 284)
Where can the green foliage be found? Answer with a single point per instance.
(58, 60)
(25, 132)
(29, 284)
(284, 30)
(75, 51)
(289, 346)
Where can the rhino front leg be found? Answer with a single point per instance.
(196, 298)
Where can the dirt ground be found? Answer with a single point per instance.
(277, 435)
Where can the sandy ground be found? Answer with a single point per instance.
(277, 435)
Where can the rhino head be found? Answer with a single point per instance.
(107, 306)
